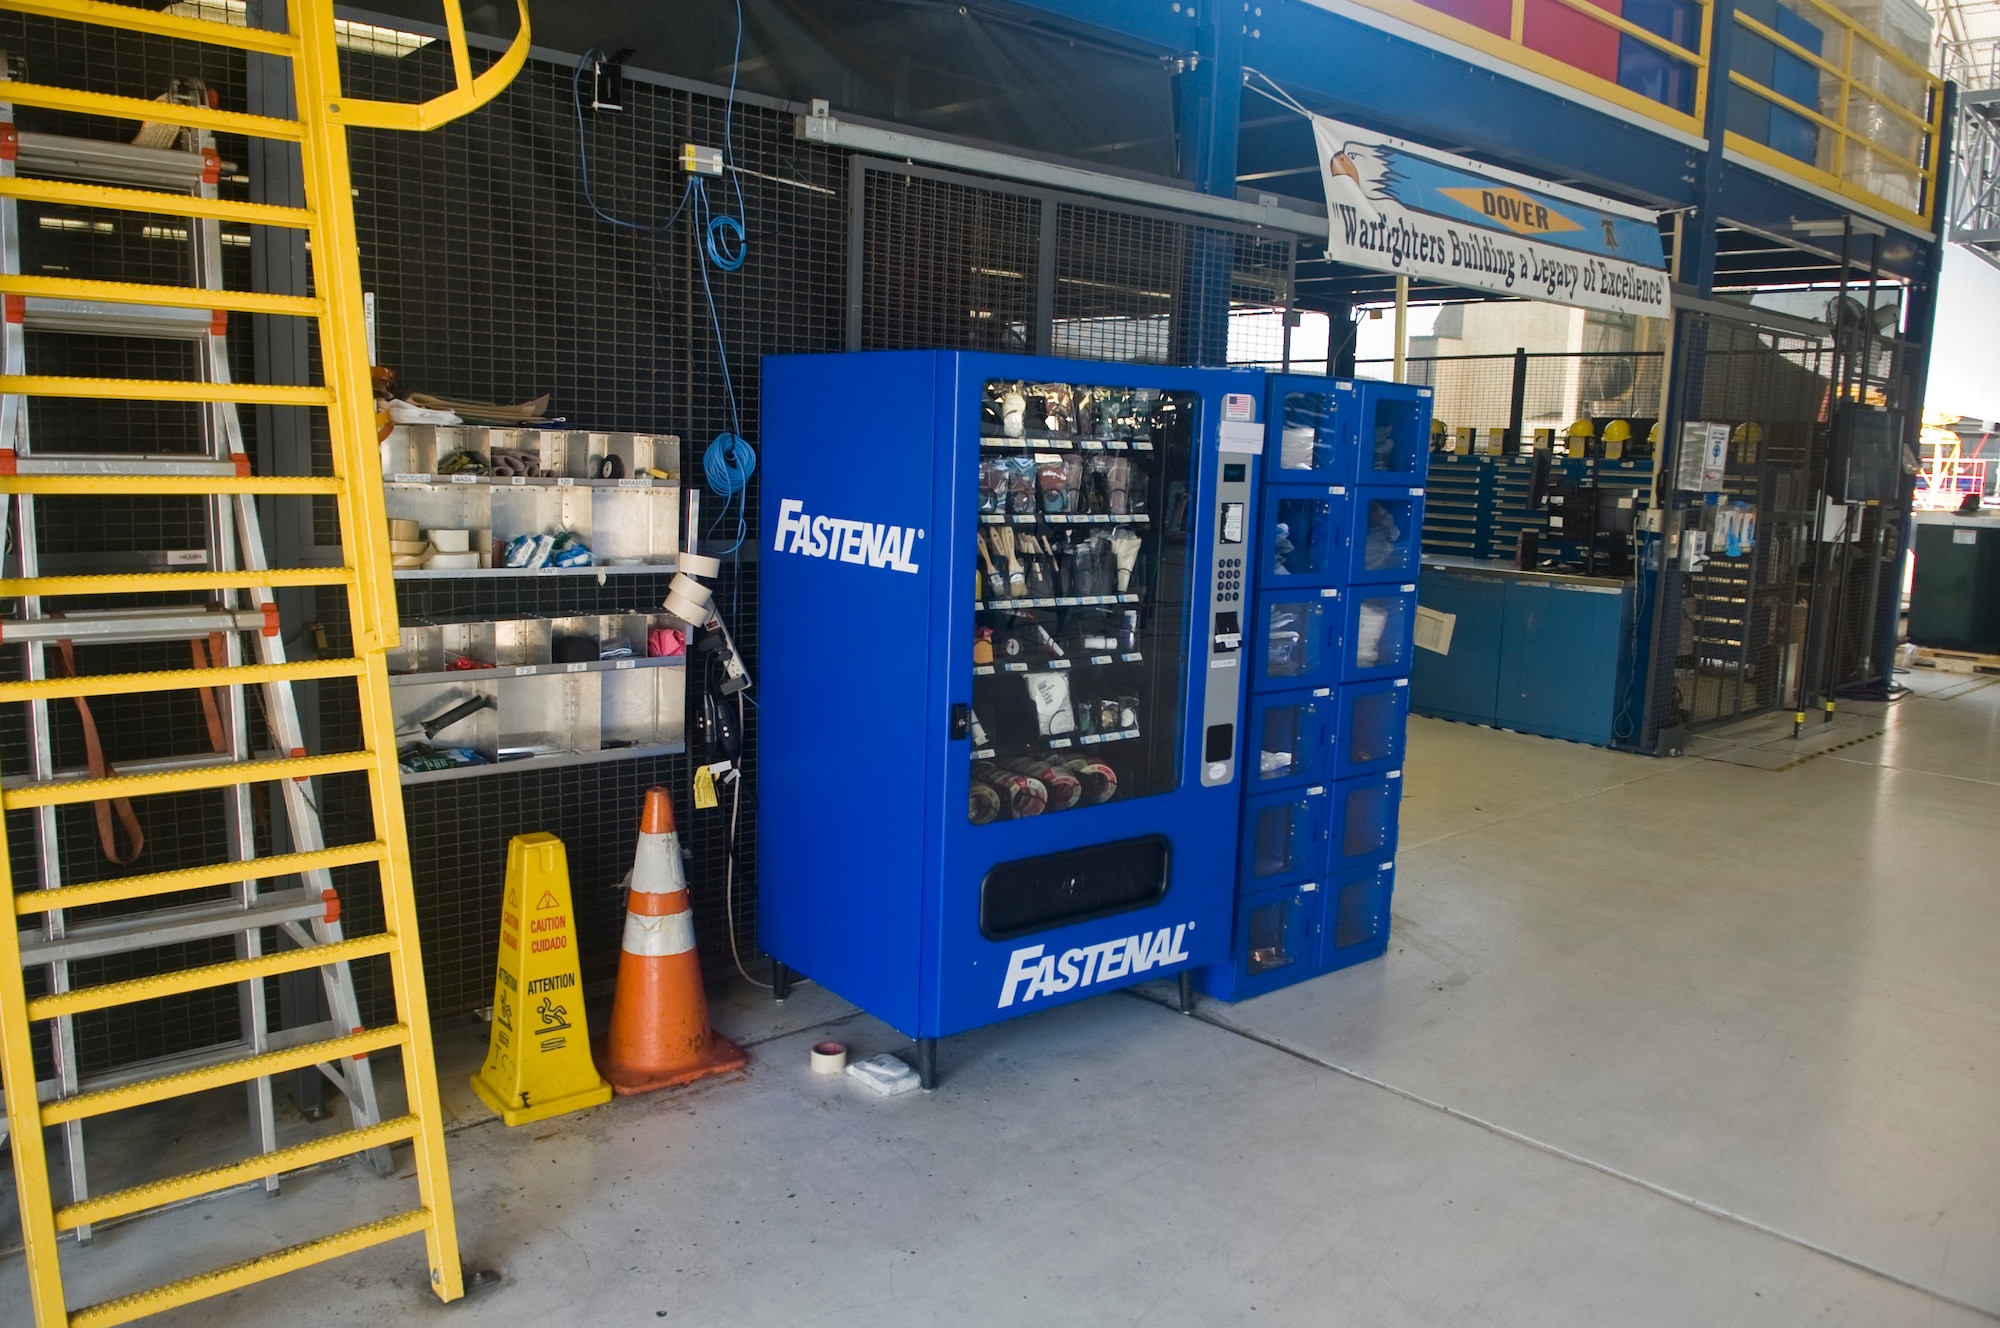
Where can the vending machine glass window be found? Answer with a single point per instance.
(1085, 582)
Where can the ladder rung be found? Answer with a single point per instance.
(171, 680)
(178, 1189)
(207, 975)
(145, 765)
(27, 902)
(160, 25)
(237, 1275)
(173, 926)
(164, 389)
(71, 792)
(165, 322)
(105, 1100)
(120, 463)
(199, 1058)
(111, 162)
(139, 108)
(67, 194)
(162, 486)
(126, 626)
(90, 291)
(142, 583)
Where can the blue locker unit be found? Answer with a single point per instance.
(1357, 928)
(1285, 835)
(1330, 653)
(1316, 425)
(1380, 624)
(1296, 638)
(1280, 941)
(1291, 739)
(1363, 821)
(1374, 720)
(1394, 442)
(1001, 682)
(1305, 535)
(1386, 544)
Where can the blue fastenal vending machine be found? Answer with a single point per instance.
(1001, 679)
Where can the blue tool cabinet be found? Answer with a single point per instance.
(1339, 517)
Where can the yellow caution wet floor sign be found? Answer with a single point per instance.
(538, 1063)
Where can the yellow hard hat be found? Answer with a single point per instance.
(1439, 429)
(1748, 432)
(1653, 434)
(1583, 428)
(1617, 431)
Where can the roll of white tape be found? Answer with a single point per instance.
(690, 589)
(829, 1057)
(695, 564)
(689, 612)
(451, 541)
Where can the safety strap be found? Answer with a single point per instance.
(213, 698)
(93, 750)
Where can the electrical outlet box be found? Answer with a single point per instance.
(698, 160)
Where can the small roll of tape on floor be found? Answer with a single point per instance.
(695, 564)
(687, 610)
(689, 589)
(829, 1057)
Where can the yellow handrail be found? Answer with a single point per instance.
(470, 94)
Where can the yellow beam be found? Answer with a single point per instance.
(138, 108)
(470, 94)
(1777, 38)
(236, 1276)
(121, 888)
(179, 680)
(185, 980)
(70, 792)
(157, 389)
(177, 297)
(1779, 99)
(140, 583)
(160, 25)
(107, 1100)
(176, 1189)
(63, 193)
(154, 486)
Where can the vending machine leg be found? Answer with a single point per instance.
(781, 981)
(1187, 991)
(927, 1063)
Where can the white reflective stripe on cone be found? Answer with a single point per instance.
(656, 868)
(656, 938)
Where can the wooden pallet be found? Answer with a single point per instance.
(1955, 661)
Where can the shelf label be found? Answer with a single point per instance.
(1091, 445)
(1058, 663)
(982, 753)
(1059, 742)
(1132, 658)
(526, 670)
(517, 480)
(625, 664)
(565, 482)
(982, 670)
(579, 667)
(1100, 659)
(1012, 667)
(1141, 445)
(643, 482)
(413, 479)
(465, 479)
(1091, 739)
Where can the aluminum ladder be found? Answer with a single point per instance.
(308, 913)
(355, 488)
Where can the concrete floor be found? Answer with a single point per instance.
(1656, 1042)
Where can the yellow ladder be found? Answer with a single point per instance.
(346, 396)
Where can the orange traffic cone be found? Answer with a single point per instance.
(659, 1018)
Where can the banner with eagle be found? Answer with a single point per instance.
(1395, 207)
